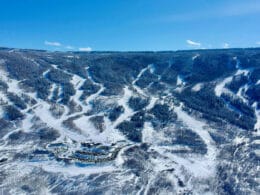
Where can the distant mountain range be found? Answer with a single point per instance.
(184, 122)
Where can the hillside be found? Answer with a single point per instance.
(182, 122)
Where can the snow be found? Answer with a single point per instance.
(180, 81)
(138, 89)
(242, 71)
(180, 84)
(198, 166)
(257, 141)
(55, 66)
(197, 87)
(241, 91)
(148, 133)
(219, 89)
(238, 140)
(86, 127)
(151, 103)
(199, 128)
(151, 68)
(3, 97)
(208, 164)
(106, 137)
(42, 111)
(2, 61)
(257, 152)
(195, 56)
(42, 108)
(72, 170)
(59, 92)
(27, 122)
(151, 136)
(77, 82)
(13, 85)
(111, 134)
(120, 158)
(33, 61)
(123, 101)
(140, 74)
(45, 73)
(53, 87)
(95, 95)
(1, 112)
(257, 113)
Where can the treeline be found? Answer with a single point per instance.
(133, 129)
(59, 77)
(237, 82)
(214, 108)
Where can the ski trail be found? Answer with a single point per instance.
(195, 56)
(180, 81)
(92, 97)
(140, 74)
(241, 93)
(77, 82)
(197, 87)
(40, 110)
(43, 112)
(220, 88)
(257, 124)
(199, 128)
(152, 102)
(45, 73)
(123, 101)
(51, 95)
(138, 89)
(199, 166)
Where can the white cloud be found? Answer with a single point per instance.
(225, 45)
(56, 44)
(85, 49)
(69, 47)
(193, 43)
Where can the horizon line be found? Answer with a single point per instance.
(126, 51)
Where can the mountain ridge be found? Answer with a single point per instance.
(182, 122)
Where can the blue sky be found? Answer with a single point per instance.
(129, 24)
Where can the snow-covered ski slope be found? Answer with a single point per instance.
(184, 122)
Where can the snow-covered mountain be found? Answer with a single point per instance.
(184, 122)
